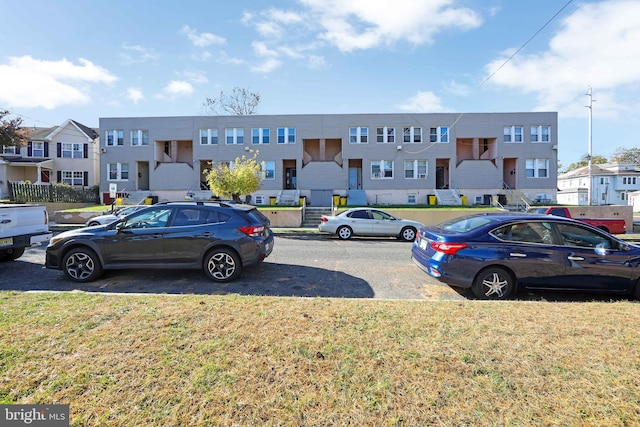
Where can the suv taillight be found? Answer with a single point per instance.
(252, 230)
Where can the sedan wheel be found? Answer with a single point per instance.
(345, 232)
(81, 265)
(493, 283)
(222, 265)
(408, 234)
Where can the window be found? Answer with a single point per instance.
(37, 149)
(386, 135)
(72, 150)
(118, 171)
(540, 133)
(412, 134)
(139, 137)
(8, 149)
(268, 170)
(537, 168)
(574, 235)
(439, 134)
(260, 136)
(72, 177)
(286, 135)
(358, 135)
(414, 169)
(513, 134)
(629, 180)
(208, 136)
(114, 137)
(411, 199)
(382, 169)
(235, 136)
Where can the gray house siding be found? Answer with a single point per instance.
(474, 161)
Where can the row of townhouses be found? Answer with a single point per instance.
(446, 158)
(443, 158)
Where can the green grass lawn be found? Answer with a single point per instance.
(137, 360)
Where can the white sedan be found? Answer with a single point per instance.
(109, 218)
(368, 222)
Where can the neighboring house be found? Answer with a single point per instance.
(611, 184)
(69, 153)
(368, 158)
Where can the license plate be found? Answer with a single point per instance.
(6, 242)
(423, 244)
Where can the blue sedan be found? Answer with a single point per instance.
(497, 254)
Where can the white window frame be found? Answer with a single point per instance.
(208, 136)
(268, 169)
(39, 150)
(385, 135)
(8, 149)
(533, 167)
(260, 136)
(114, 138)
(412, 135)
(358, 135)
(415, 166)
(513, 134)
(121, 171)
(235, 135)
(72, 177)
(540, 134)
(286, 135)
(75, 150)
(439, 134)
(139, 137)
(412, 199)
(384, 168)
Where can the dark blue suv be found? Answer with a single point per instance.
(221, 238)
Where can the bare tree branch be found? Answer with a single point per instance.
(241, 102)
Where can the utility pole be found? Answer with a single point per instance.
(590, 152)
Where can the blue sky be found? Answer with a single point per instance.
(84, 60)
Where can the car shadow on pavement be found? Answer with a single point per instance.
(270, 279)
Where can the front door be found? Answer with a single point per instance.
(440, 177)
(143, 175)
(355, 178)
(290, 179)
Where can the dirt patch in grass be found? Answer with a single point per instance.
(231, 360)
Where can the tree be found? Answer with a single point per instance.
(241, 178)
(12, 134)
(595, 160)
(626, 155)
(240, 102)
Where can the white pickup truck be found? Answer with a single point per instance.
(21, 226)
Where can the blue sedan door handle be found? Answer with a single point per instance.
(517, 255)
(575, 258)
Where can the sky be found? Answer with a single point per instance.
(83, 60)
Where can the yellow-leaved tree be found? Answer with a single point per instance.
(241, 177)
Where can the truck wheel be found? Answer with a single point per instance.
(13, 255)
(81, 265)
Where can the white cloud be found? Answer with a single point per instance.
(366, 24)
(27, 82)
(134, 94)
(350, 25)
(176, 88)
(423, 102)
(596, 46)
(137, 54)
(202, 39)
